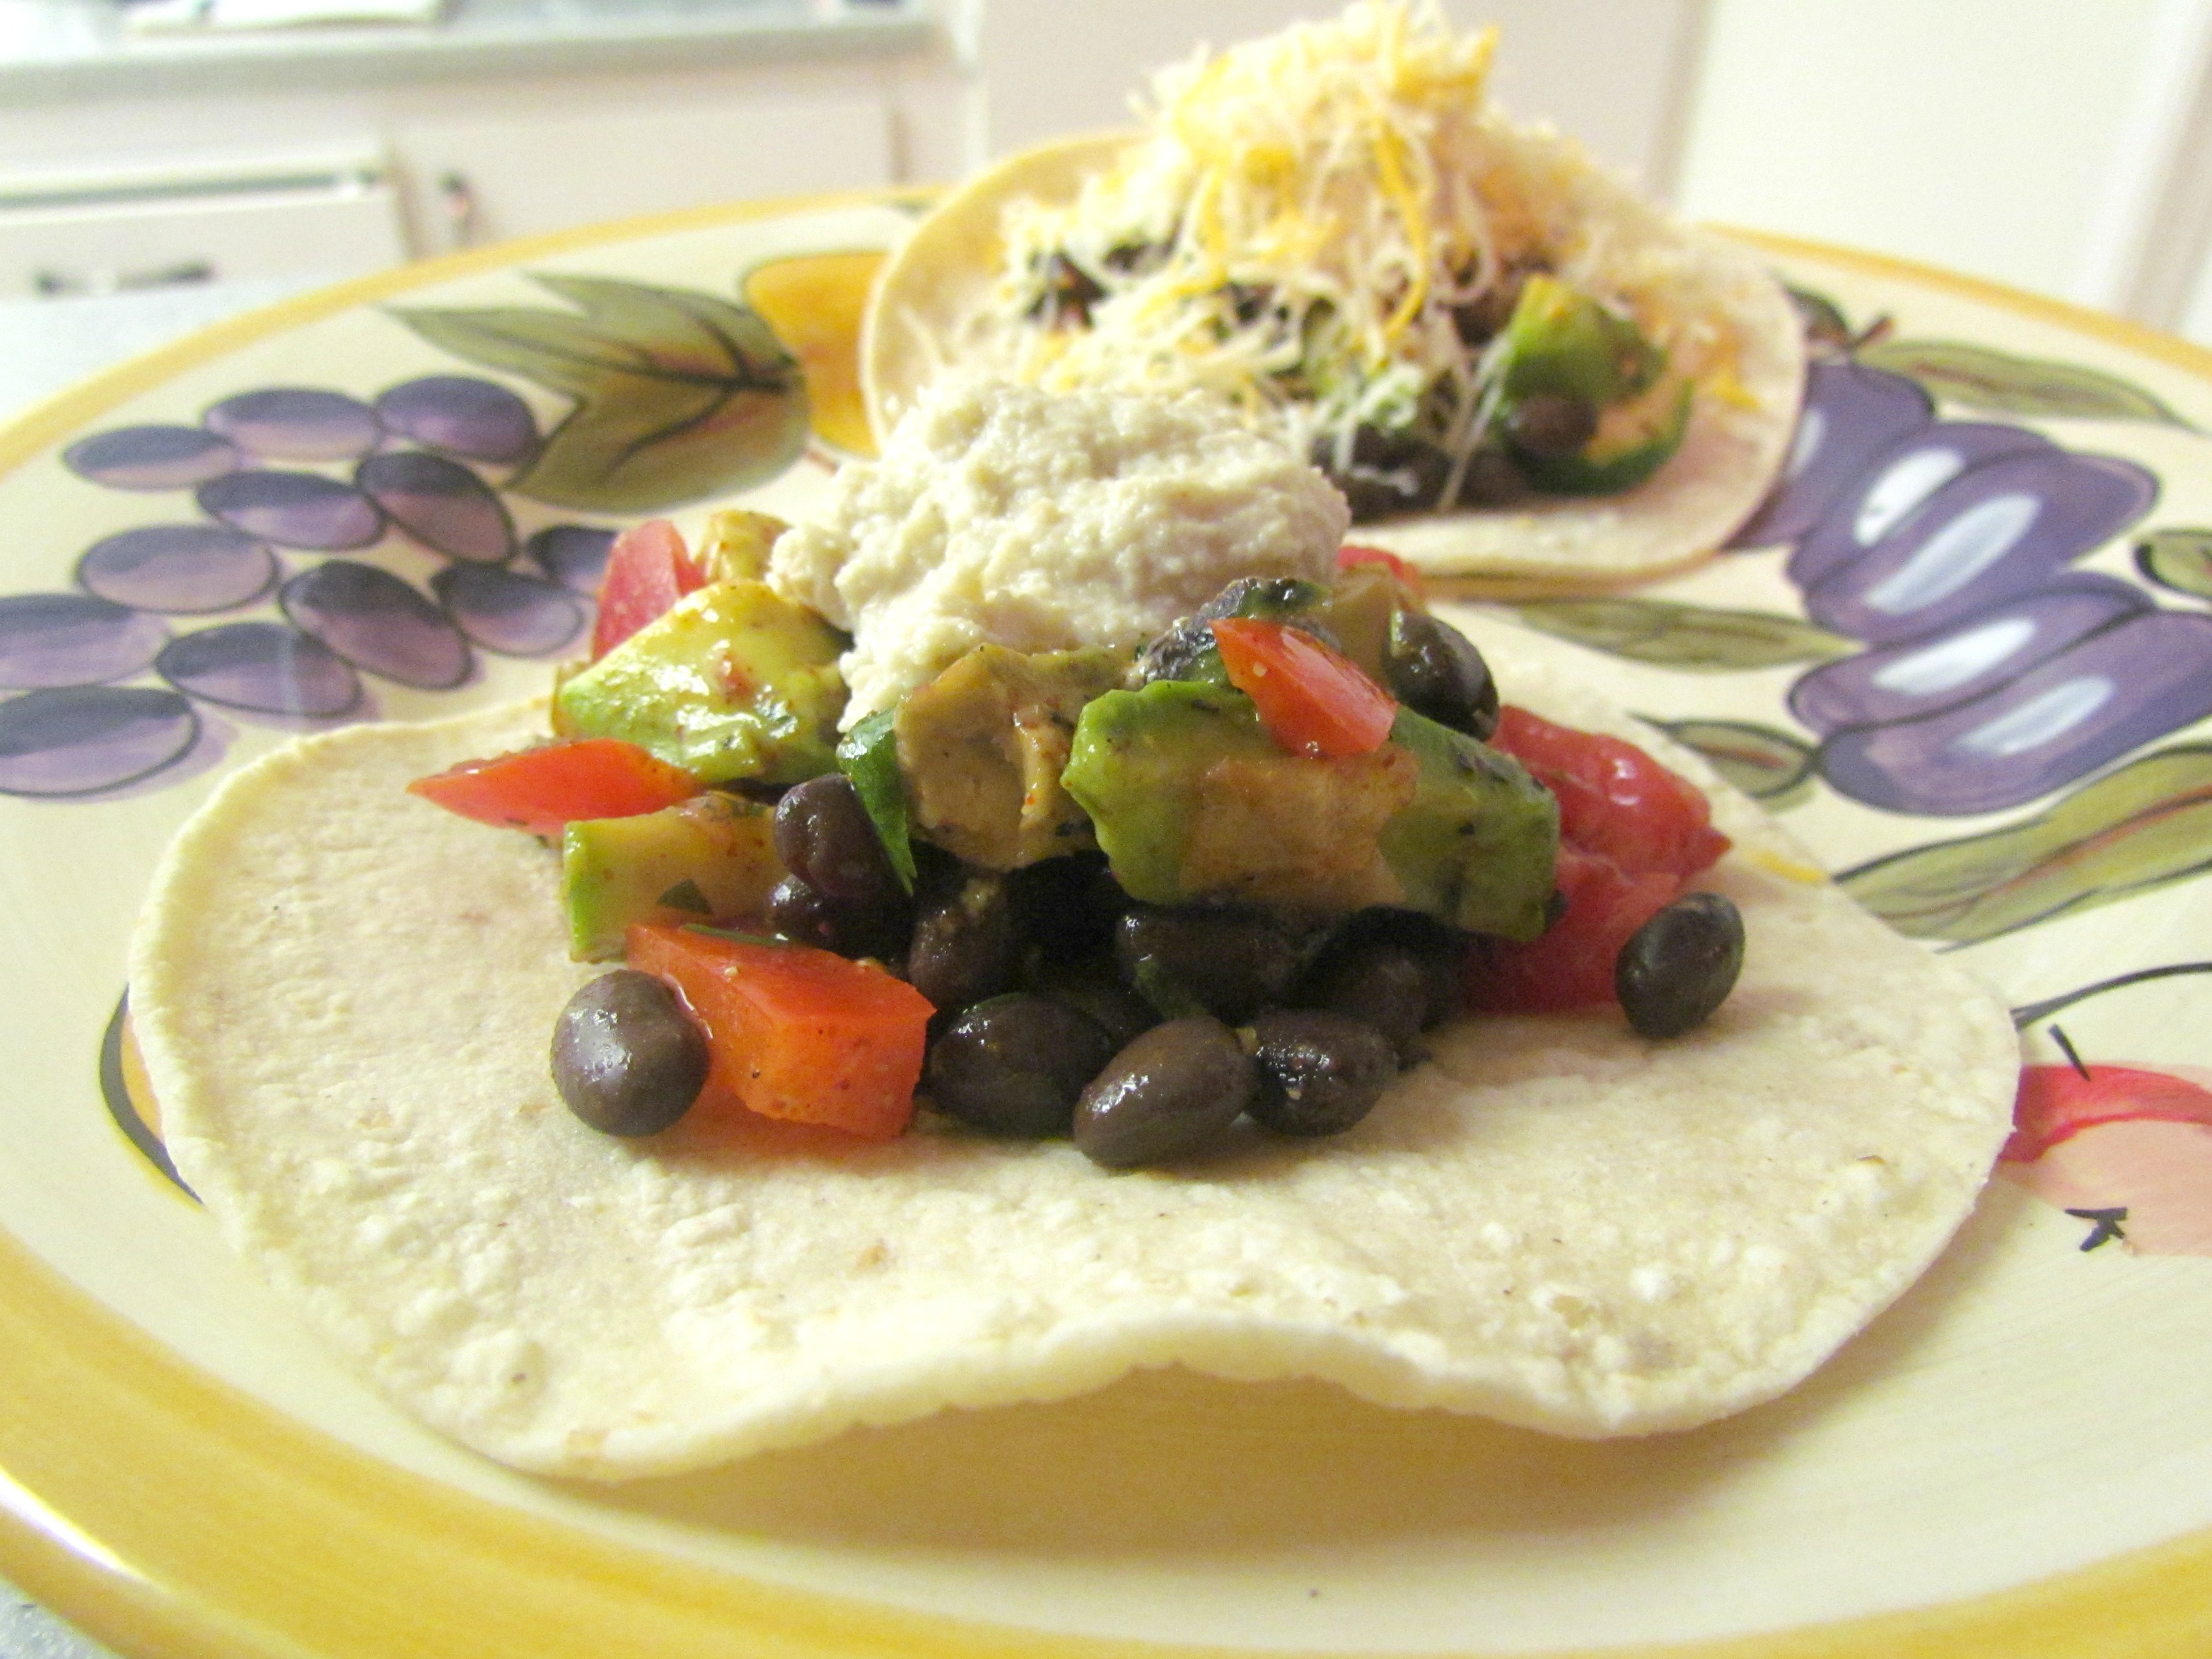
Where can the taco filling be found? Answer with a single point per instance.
(1466, 1050)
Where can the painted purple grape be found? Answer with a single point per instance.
(460, 415)
(185, 569)
(84, 740)
(1884, 498)
(1850, 414)
(505, 612)
(2091, 703)
(2003, 528)
(263, 668)
(573, 555)
(294, 509)
(440, 503)
(1976, 654)
(377, 622)
(296, 424)
(151, 458)
(73, 639)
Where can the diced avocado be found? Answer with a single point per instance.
(1192, 799)
(732, 682)
(1361, 604)
(981, 747)
(735, 545)
(1632, 441)
(709, 858)
(1559, 339)
(1478, 844)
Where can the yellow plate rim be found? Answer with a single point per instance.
(165, 1512)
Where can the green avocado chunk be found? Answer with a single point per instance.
(732, 682)
(709, 858)
(1632, 441)
(982, 748)
(1559, 339)
(1192, 799)
(1478, 845)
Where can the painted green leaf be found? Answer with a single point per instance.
(1826, 328)
(1982, 377)
(2179, 559)
(1768, 765)
(1676, 636)
(2147, 824)
(678, 395)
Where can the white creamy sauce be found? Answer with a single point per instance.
(999, 513)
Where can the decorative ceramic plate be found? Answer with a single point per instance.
(1966, 653)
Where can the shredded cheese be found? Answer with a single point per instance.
(1301, 222)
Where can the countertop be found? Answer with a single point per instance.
(51, 50)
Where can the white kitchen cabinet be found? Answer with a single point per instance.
(519, 161)
(119, 167)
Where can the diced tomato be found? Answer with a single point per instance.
(1632, 834)
(1408, 575)
(1570, 965)
(542, 789)
(1614, 799)
(1312, 698)
(648, 569)
(797, 1033)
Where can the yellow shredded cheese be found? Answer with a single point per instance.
(1304, 217)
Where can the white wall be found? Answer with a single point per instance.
(2052, 144)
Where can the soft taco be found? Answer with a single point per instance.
(344, 996)
(1517, 369)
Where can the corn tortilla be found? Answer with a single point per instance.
(345, 997)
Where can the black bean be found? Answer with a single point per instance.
(1231, 962)
(805, 914)
(1551, 425)
(1090, 986)
(1479, 320)
(1435, 670)
(1185, 651)
(1279, 599)
(1491, 479)
(1068, 905)
(1173, 1091)
(1681, 965)
(1382, 982)
(1387, 472)
(627, 1058)
(1066, 293)
(1014, 1065)
(1320, 1072)
(964, 947)
(825, 837)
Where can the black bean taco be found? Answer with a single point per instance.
(344, 996)
(1516, 368)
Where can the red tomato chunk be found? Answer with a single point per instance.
(797, 1033)
(542, 790)
(1631, 836)
(1614, 799)
(648, 569)
(1313, 699)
